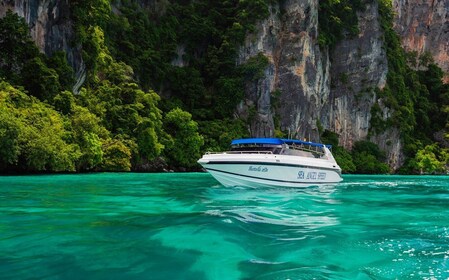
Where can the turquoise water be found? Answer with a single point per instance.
(186, 226)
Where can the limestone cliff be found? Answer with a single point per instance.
(297, 78)
(51, 29)
(424, 27)
(305, 85)
(359, 66)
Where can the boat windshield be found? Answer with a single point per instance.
(304, 150)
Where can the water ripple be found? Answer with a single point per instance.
(186, 226)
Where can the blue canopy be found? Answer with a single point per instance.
(275, 141)
(271, 141)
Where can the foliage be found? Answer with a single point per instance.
(35, 135)
(431, 159)
(150, 52)
(64, 102)
(41, 81)
(337, 18)
(427, 161)
(113, 103)
(21, 64)
(404, 93)
(126, 110)
(344, 160)
(113, 124)
(377, 122)
(368, 158)
(184, 144)
(117, 156)
(365, 157)
(431, 107)
(16, 45)
(328, 137)
(58, 62)
(416, 98)
(254, 68)
(9, 134)
(89, 16)
(343, 157)
(196, 66)
(89, 135)
(218, 134)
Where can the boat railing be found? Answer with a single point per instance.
(240, 152)
(310, 149)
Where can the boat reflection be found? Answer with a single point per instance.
(300, 209)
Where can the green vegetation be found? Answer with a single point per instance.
(183, 144)
(342, 156)
(22, 64)
(118, 122)
(365, 157)
(418, 100)
(202, 36)
(33, 136)
(402, 89)
(368, 158)
(337, 19)
(431, 159)
(111, 125)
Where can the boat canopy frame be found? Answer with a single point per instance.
(276, 141)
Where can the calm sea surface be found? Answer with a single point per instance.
(187, 226)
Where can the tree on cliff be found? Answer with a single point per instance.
(22, 64)
(183, 143)
(16, 45)
(33, 136)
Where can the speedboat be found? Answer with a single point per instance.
(273, 162)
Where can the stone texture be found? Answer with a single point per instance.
(298, 70)
(336, 89)
(51, 29)
(359, 66)
(424, 27)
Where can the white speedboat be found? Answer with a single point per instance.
(273, 162)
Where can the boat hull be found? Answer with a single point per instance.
(270, 174)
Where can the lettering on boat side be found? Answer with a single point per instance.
(257, 168)
(322, 176)
(311, 175)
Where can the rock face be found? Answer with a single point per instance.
(305, 86)
(423, 26)
(51, 29)
(296, 82)
(359, 66)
